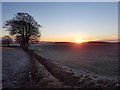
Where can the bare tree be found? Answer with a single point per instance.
(24, 26)
(6, 40)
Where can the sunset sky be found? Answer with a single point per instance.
(69, 21)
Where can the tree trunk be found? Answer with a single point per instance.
(24, 42)
(8, 44)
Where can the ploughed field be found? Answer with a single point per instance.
(97, 60)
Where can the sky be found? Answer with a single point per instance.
(60, 1)
(69, 21)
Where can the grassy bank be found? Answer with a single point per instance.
(71, 79)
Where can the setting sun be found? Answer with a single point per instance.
(80, 41)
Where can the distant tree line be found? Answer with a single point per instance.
(6, 40)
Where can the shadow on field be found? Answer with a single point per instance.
(12, 46)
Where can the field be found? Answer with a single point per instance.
(98, 60)
(15, 68)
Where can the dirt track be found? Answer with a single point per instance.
(19, 70)
(15, 68)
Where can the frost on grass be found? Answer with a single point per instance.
(15, 68)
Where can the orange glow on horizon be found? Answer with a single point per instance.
(80, 41)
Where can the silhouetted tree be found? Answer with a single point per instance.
(6, 40)
(18, 39)
(34, 40)
(24, 26)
